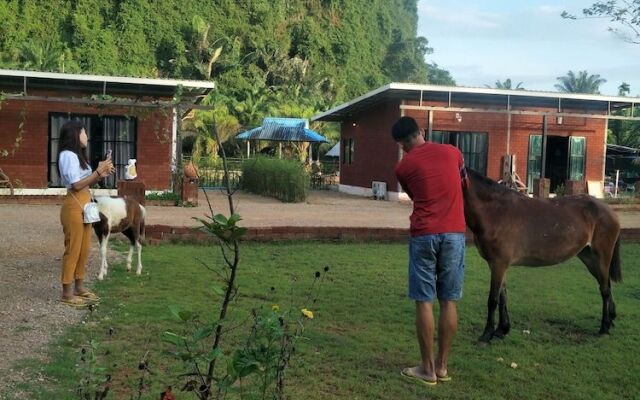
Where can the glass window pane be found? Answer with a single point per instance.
(534, 162)
(577, 147)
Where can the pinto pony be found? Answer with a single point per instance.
(513, 229)
(124, 215)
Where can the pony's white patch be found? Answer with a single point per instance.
(114, 209)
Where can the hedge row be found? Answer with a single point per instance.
(285, 180)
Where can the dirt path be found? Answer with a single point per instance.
(30, 251)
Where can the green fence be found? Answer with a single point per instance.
(211, 173)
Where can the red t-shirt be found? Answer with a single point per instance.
(430, 175)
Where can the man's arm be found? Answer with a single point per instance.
(405, 188)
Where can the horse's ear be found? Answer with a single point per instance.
(464, 177)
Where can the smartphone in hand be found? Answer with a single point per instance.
(108, 157)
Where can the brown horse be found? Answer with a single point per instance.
(513, 229)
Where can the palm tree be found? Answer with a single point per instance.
(624, 89)
(198, 123)
(581, 83)
(506, 85)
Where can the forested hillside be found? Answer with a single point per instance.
(284, 57)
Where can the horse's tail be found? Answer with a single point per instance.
(615, 269)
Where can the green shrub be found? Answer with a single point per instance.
(163, 196)
(285, 180)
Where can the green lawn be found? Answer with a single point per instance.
(363, 331)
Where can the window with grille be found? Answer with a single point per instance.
(472, 145)
(114, 133)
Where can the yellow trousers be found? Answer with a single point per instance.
(77, 236)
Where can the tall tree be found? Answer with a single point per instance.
(507, 84)
(583, 82)
(439, 76)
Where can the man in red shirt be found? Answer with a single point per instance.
(430, 174)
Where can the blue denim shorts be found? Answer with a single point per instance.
(436, 266)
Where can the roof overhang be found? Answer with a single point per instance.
(25, 82)
(488, 99)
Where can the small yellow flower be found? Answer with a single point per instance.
(275, 307)
(307, 313)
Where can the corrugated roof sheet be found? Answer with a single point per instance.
(283, 130)
(487, 97)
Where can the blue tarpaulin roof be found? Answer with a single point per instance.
(283, 130)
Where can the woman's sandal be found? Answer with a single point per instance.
(75, 301)
(88, 296)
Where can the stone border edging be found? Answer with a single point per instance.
(156, 234)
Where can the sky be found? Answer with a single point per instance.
(481, 41)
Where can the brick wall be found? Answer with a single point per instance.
(29, 165)
(376, 153)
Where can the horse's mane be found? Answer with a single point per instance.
(490, 184)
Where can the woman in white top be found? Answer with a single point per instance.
(77, 176)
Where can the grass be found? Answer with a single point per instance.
(363, 333)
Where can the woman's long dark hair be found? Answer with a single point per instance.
(70, 140)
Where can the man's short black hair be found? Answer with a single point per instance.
(404, 128)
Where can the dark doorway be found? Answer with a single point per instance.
(557, 161)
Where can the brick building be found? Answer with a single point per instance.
(486, 124)
(133, 117)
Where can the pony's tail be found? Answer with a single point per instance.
(615, 269)
(142, 221)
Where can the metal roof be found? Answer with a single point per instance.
(486, 96)
(622, 149)
(334, 151)
(281, 130)
(24, 81)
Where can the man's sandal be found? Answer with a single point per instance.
(415, 374)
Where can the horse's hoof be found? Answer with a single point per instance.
(485, 339)
(499, 334)
(482, 343)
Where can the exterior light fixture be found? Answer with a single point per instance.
(458, 117)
